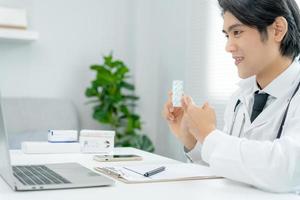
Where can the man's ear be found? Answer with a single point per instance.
(280, 27)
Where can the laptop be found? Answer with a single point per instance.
(44, 176)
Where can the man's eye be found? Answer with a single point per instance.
(237, 33)
(226, 36)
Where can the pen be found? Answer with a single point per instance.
(154, 171)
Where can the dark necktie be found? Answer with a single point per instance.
(260, 100)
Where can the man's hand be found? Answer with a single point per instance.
(201, 121)
(177, 121)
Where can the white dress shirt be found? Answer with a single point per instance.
(250, 153)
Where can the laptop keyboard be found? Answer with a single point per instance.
(37, 175)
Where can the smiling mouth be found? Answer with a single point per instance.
(238, 60)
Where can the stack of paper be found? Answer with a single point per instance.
(14, 18)
(172, 172)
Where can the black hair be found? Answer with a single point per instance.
(262, 13)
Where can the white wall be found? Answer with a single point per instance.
(160, 58)
(73, 35)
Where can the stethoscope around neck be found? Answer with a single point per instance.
(238, 103)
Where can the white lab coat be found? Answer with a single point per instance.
(257, 157)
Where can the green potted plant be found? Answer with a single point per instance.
(114, 102)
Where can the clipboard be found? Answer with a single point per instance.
(172, 172)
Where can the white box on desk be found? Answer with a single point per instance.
(97, 141)
(49, 148)
(63, 136)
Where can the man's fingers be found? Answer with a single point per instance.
(166, 112)
(206, 105)
(170, 113)
(170, 94)
(184, 104)
(169, 102)
(187, 101)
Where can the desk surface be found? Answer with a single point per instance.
(196, 189)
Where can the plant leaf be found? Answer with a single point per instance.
(97, 67)
(121, 71)
(91, 92)
(131, 97)
(126, 85)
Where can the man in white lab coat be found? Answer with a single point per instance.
(260, 143)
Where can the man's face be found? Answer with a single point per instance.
(252, 55)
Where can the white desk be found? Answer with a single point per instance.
(183, 190)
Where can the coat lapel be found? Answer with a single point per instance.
(267, 114)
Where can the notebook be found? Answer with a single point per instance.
(172, 172)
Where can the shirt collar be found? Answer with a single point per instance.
(278, 86)
(284, 81)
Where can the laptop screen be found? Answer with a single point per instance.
(5, 165)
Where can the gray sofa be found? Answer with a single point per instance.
(29, 119)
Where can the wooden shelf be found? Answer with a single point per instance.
(18, 35)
